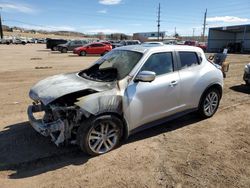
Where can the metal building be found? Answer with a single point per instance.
(145, 36)
(235, 38)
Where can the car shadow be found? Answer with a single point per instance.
(73, 55)
(26, 153)
(243, 88)
(48, 50)
(165, 127)
(55, 52)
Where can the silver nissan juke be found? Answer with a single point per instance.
(129, 89)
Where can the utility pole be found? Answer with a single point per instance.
(174, 31)
(1, 27)
(193, 32)
(159, 21)
(204, 26)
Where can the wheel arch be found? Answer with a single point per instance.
(214, 85)
(103, 103)
(125, 130)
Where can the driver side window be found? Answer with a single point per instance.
(160, 63)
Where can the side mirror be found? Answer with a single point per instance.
(145, 76)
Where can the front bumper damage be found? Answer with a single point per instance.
(46, 129)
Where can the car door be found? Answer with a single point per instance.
(189, 68)
(78, 43)
(150, 101)
(91, 49)
(100, 49)
(72, 45)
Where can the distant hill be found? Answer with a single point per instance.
(18, 31)
(61, 33)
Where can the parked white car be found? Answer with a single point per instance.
(129, 89)
(22, 41)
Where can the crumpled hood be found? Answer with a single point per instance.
(53, 87)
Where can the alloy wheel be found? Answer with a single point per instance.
(103, 137)
(211, 103)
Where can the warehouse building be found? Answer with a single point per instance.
(235, 38)
(148, 36)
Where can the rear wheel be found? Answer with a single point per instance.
(54, 48)
(100, 134)
(209, 103)
(104, 53)
(64, 50)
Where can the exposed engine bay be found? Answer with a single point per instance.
(105, 75)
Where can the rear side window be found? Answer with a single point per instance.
(188, 59)
(100, 45)
(160, 63)
(94, 45)
(78, 42)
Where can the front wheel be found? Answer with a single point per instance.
(82, 53)
(209, 103)
(100, 134)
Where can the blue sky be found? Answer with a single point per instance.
(126, 16)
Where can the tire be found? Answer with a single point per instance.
(82, 53)
(99, 135)
(209, 103)
(64, 50)
(54, 48)
(247, 82)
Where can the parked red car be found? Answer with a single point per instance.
(191, 43)
(93, 48)
(201, 45)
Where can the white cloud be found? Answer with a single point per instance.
(50, 28)
(228, 19)
(102, 11)
(110, 2)
(7, 7)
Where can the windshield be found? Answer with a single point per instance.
(115, 65)
(67, 43)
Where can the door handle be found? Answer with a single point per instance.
(173, 83)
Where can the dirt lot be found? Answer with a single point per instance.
(188, 152)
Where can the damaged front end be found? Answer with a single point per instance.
(58, 122)
(66, 101)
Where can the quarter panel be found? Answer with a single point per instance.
(195, 80)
